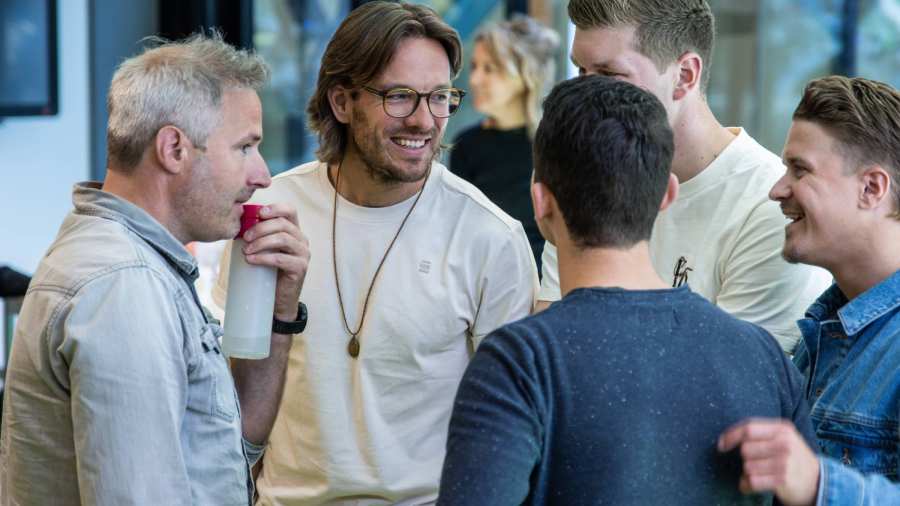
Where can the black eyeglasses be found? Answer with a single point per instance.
(403, 102)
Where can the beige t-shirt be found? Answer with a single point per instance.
(730, 236)
(372, 430)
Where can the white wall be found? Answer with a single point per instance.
(40, 158)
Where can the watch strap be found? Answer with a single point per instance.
(295, 327)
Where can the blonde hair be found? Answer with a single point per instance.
(525, 48)
(175, 83)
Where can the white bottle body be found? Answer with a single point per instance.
(248, 307)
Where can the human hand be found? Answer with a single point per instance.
(776, 459)
(277, 241)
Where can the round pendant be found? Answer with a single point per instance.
(353, 347)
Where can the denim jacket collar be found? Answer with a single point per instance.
(871, 305)
(858, 313)
(90, 199)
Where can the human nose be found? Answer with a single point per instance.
(781, 190)
(259, 174)
(421, 116)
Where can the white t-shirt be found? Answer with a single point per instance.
(372, 430)
(731, 236)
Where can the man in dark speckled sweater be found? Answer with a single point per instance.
(615, 394)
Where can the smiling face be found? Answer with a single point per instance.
(226, 173)
(400, 150)
(611, 52)
(494, 92)
(819, 193)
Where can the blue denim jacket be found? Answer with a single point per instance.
(116, 391)
(850, 355)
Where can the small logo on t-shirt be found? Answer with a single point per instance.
(680, 276)
(424, 266)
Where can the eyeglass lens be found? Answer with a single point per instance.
(402, 103)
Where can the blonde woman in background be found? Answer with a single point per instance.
(512, 68)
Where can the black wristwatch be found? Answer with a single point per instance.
(294, 327)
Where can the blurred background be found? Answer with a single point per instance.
(57, 58)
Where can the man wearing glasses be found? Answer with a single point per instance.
(410, 268)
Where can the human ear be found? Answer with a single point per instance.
(875, 184)
(545, 209)
(171, 147)
(671, 192)
(540, 198)
(690, 68)
(339, 99)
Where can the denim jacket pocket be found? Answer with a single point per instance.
(868, 446)
(211, 389)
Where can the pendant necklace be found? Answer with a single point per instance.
(353, 344)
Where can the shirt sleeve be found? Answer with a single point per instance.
(494, 439)
(840, 484)
(759, 286)
(254, 451)
(550, 291)
(128, 385)
(509, 284)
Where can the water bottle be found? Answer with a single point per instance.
(251, 299)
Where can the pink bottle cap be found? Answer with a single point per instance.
(249, 218)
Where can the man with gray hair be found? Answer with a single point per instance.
(117, 389)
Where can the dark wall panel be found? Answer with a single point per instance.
(116, 29)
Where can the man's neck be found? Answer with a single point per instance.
(148, 193)
(699, 140)
(359, 185)
(630, 268)
(870, 264)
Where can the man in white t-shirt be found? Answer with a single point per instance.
(723, 236)
(410, 268)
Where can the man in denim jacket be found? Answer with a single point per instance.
(117, 389)
(841, 193)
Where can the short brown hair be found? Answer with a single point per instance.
(863, 116)
(664, 29)
(360, 49)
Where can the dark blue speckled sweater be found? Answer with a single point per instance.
(614, 397)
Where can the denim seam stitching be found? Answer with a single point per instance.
(868, 421)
